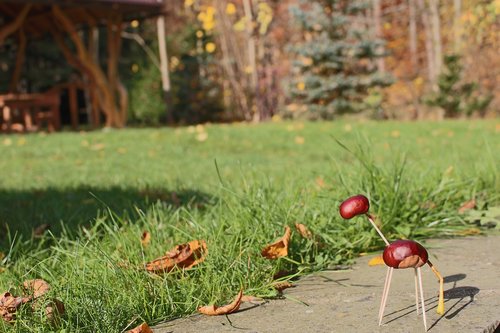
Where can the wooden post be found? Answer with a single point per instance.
(165, 79)
(73, 105)
(21, 54)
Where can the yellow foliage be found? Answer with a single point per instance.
(240, 25)
(301, 86)
(188, 3)
(230, 9)
(207, 18)
(264, 17)
(210, 47)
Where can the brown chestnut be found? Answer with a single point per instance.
(354, 206)
(404, 254)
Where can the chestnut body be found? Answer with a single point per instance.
(405, 254)
(354, 206)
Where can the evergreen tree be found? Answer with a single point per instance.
(454, 96)
(334, 68)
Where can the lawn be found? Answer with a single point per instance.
(235, 186)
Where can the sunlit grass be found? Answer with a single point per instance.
(235, 187)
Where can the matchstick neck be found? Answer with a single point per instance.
(372, 221)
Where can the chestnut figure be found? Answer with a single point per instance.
(354, 206)
(397, 255)
(405, 254)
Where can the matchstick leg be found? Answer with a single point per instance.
(416, 289)
(422, 299)
(440, 307)
(387, 286)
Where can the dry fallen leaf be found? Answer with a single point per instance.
(142, 328)
(9, 305)
(280, 286)
(145, 238)
(467, 206)
(36, 288)
(279, 248)
(183, 256)
(214, 310)
(378, 260)
(303, 230)
(41, 229)
(54, 310)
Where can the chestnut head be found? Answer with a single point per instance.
(354, 206)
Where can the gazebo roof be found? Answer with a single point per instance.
(81, 12)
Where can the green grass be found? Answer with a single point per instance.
(99, 191)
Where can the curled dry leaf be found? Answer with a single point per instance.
(54, 310)
(280, 286)
(182, 256)
(145, 238)
(214, 310)
(378, 260)
(142, 328)
(36, 288)
(471, 204)
(41, 229)
(9, 305)
(303, 230)
(279, 248)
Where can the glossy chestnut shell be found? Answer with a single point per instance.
(405, 254)
(354, 206)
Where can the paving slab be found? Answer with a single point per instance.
(348, 301)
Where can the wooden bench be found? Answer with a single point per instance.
(30, 111)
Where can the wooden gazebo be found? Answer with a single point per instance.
(26, 19)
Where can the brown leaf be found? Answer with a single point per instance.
(145, 238)
(214, 310)
(467, 206)
(9, 305)
(54, 310)
(36, 288)
(41, 229)
(280, 286)
(182, 256)
(142, 328)
(320, 182)
(279, 248)
(378, 260)
(303, 230)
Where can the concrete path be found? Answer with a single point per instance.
(348, 301)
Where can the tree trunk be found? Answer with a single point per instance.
(413, 36)
(165, 79)
(436, 35)
(457, 26)
(429, 50)
(377, 23)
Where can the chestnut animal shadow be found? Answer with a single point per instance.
(454, 293)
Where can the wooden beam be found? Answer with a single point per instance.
(11, 27)
(21, 55)
(106, 96)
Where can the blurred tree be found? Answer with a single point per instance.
(455, 97)
(334, 70)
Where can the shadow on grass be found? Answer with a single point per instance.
(21, 212)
